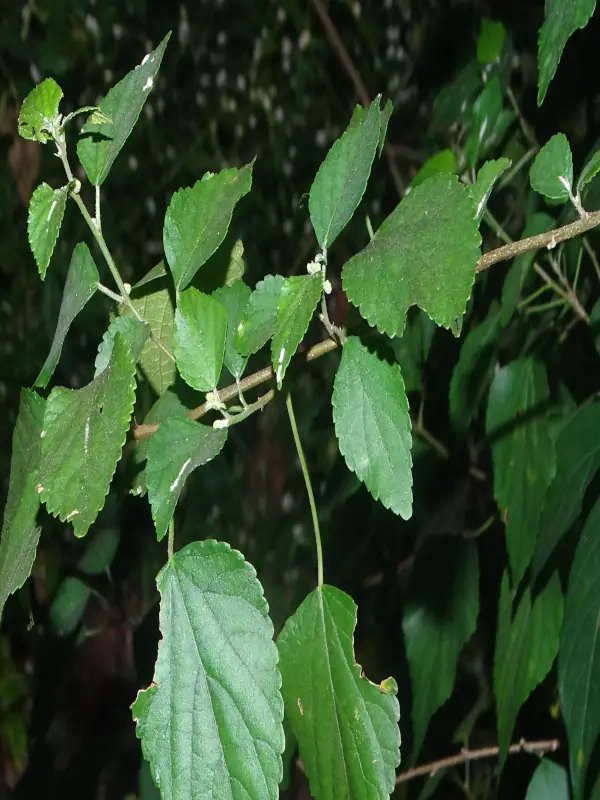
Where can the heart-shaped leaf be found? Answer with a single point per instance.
(46, 211)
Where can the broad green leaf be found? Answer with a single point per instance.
(577, 460)
(258, 324)
(473, 371)
(526, 647)
(487, 176)
(443, 162)
(579, 654)
(346, 726)
(485, 114)
(562, 19)
(100, 143)
(45, 216)
(589, 171)
(523, 455)
(211, 723)
(20, 533)
(549, 782)
(234, 299)
(200, 334)
(425, 253)
(440, 616)
(156, 309)
(197, 220)
(342, 178)
(516, 278)
(386, 113)
(80, 286)
(84, 432)
(176, 449)
(131, 330)
(39, 115)
(412, 348)
(551, 173)
(455, 100)
(372, 424)
(298, 299)
(491, 41)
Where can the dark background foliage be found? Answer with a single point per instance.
(241, 79)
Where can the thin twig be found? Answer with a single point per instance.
(465, 756)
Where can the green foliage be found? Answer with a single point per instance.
(200, 335)
(260, 316)
(46, 212)
(443, 162)
(297, 300)
(549, 782)
(552, 171)
(156, 359)
(487, 176)
(39, 112)
(234, 299)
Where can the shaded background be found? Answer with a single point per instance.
(243, 79)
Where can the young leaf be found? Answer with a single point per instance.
(549, 782)
(45, 216)
(176, 449)
(200, 334)
(551, 173)
(440, 617)
(20, 534)
(590, 170)
(258, 324)
(425, 253)
(158, 367)
(234, 299)
(485, 115)
(577, 461)
(487, 176)
(211, 723)
(84, 432)
(562, 20)
(526, 647)
(133, 332)
(298, 298)
(490, 42)
(39, 113)
(346, 726)
(80, 286)
(473, 371)
(372, 424)
(101, 142)
(523, 455)
(197, 220)
(342, 178)
(579, 654)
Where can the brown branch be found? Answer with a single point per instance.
(465, 755)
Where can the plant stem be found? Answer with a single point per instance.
(311, 497)
(592, 254)
(109, 293)
(171, 539)
(250, 409)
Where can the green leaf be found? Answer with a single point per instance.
(440, 616)
(234, 299)
(258, 324)
(197, 220)
(210, 724)
(443, 162)
(95, 115)
(425, 253)
(298, 299)
(176, 449)
(549, 782)
(20, 534)
(372, 424)
(523, 455)
(412, 348)
(346, 726)
(526, 647)
(342, 177)
(156, 309)
(133, 332)
(158, 271)
(562, 19)
(100, 142)
(579, 654)
(551, 173)
(39, 115)
(455, 100)
(490, 42)
(386, 113)
(473, 371)
(200, 335)
(487, 176)
(590, 170)
(46, 211)
(577, 460)
(84, 432)
(80, 286)
(485, 115)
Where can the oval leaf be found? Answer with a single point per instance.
(373, 427)
(200, 334)
(211, 723)
(297, 301)
(425, 253)
(157, 362)
(260, 316)
(551, 173)
(346, 726)
(549, 782)
(39, 113)
(46, 211)
(234, 299)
